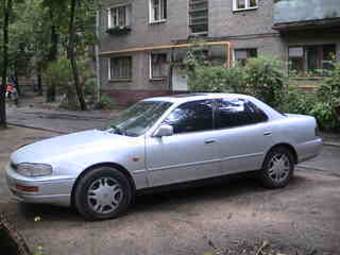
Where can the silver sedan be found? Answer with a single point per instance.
(163, 141)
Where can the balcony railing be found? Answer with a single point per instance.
(295, 13)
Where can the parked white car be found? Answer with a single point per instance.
(162, 141)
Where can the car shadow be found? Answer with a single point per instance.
(233, 187)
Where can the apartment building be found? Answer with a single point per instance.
(143, 42)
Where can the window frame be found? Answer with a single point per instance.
(213, 116)
(164, 4)
(304, 58)
(217, 116)
(120, 79)
(247, 6)
(127, 8)
(244, 49)
(156, 78)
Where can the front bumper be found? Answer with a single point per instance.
(51, 190)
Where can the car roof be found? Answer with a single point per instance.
(189, 97)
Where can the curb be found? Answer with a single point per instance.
(332, 144)
(317, 170)
(37, 128)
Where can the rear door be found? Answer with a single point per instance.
(192, 152)
(244, 135)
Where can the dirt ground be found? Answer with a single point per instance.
(235, 216)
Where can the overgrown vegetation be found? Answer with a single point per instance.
(264, 78)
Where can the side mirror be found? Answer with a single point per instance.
(164, 130)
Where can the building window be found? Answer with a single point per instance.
(241, 5)
(120, 68)
(316, 59)
(158, 66)
(119, 17)
(198, 13)
(242, 55)
(158, 10)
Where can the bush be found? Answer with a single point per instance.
(106, 103)
(265, 79)
(297, 101)
(216, 79)
(59, 75)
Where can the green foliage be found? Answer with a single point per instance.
(298, 102)
(309, 103)
(325, 113)
(265, 79)
(330, 89)
(261, 77)
(106, 103)
(58, 75)
(216, 79)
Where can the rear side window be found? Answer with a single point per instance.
(192, 117)
(238, 112)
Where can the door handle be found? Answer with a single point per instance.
(267, 133)
(210, 141)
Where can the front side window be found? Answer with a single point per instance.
(242, 55)
(239, 5)
(159, 66)
(315, 59)
(192, 117)
(158, 10)
(238, 112)
(120, 68)
(119, 17)
(136, 120)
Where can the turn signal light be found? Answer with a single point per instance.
(26, 188)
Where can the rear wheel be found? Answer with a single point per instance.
(278, 168)
(103, 193)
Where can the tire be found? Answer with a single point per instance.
(278, 168)
(103, 193)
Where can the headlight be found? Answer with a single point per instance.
(33, 170)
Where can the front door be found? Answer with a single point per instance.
(191, 153)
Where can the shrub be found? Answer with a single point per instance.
(329, 90)
(297, 101)
(265, 79)
(216, 79)
(59, 75)
(106, 103)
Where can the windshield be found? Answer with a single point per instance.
(136, 120)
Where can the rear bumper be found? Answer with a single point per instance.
(56, 192)
(309, 150)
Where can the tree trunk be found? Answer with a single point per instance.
(72, 57)
(6, 12)
(52, 56)
(40, 90)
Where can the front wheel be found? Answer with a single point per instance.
(103, 193)
(278, 168)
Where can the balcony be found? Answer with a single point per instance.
(306, 14)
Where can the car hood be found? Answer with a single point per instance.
(63, 146)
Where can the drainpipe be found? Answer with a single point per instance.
(97, 58)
